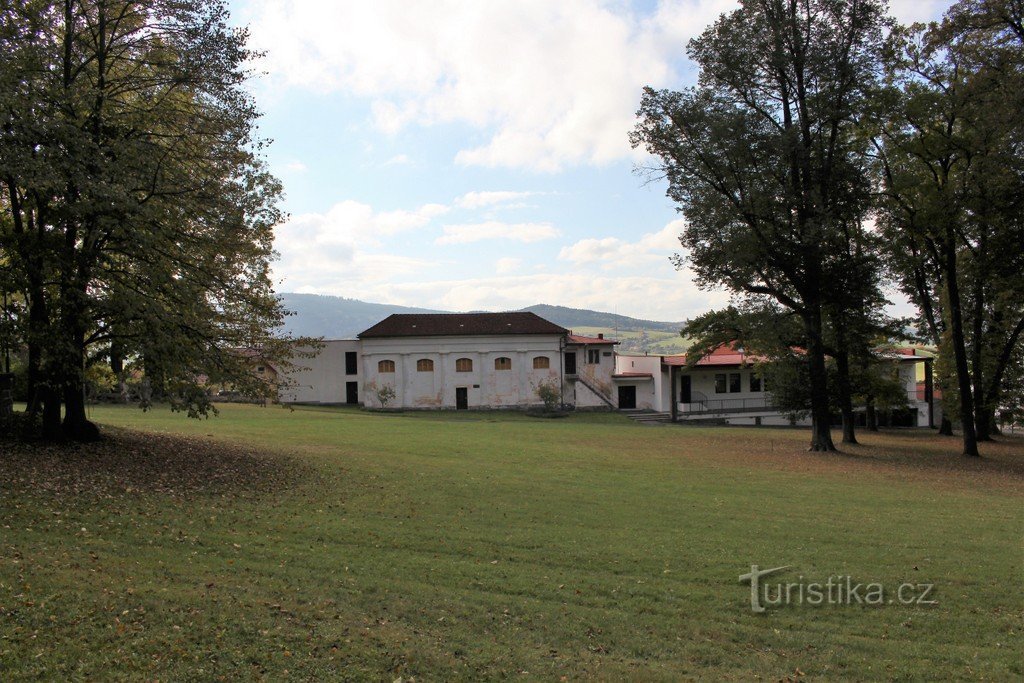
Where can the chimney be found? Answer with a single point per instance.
(600, 335)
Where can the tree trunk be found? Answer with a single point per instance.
(963, 375)
(50, 404)
(845, 390)
(871, 414)
(77, 426)
(821, 430)
(946, 427)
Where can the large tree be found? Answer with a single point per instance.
(140, 215)
(764, 158)
(952, 182)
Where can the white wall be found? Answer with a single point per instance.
(649, 392)
(597, 375)
(322, 378)
(486, 387)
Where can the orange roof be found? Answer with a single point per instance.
(726, 354)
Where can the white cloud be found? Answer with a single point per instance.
(909, 11)
(552, 83)
(330, 252)
(295, 167)
(613, 252)
(464, 233)
(351, 222)
(478, 200)
(504, 266)
(398, 160)
(668, 298)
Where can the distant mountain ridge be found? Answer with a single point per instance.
(335, 317)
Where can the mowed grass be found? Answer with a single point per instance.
(482, 546)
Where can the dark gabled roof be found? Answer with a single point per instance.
(460, 324)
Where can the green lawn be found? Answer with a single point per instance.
(477, 546)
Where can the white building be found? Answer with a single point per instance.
(726, 386)
(498, 360)
(458, 361)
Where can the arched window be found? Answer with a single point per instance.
(502, 363)
(424, 365)
(541, 363)
(464, 365)
(386, 366)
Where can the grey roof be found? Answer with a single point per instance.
(461, 324)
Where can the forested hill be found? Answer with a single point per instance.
(335, 317)
(581, 317)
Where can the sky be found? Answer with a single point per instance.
(474, 154)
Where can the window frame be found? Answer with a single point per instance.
(592, 354)
(721, 383)
(756, 383)
(502, 363)
(384, 365)
(735, 383)
(463, 365)
(424, 365)
(541, 363)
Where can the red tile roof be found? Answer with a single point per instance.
(580, 339)
(460, 324)
(724, 355)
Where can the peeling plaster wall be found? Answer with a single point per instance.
(598, 375)
(486, 386)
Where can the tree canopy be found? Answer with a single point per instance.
(138, 214)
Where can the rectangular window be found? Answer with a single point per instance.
(350, 362)
(464, 365)
(755, 382)
(570, 363)
(502, 363)
(541, 363)
(593, 356)
(735, 383)
(720, 383)
(386, 366)
(424, 365)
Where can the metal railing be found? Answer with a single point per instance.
(725, 405)
(701, 404)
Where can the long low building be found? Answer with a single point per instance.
(468, 361)
(726, 386)
(458, 361)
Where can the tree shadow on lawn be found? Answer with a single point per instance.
(933, 456)
(916, 455)
(126, 461)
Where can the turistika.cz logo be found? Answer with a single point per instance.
(837, 590)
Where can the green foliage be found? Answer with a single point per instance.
(549, 392)
(138, 210)
(385, 394)
(765, 158)
(952, 178)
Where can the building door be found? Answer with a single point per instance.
(461, 398)
(350, 363)
(352, 393)
(627, 398)
(570, 363)
(685, 388)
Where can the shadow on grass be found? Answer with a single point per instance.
(126, 461)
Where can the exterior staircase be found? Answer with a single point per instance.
(594, 390)
(647, 417)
